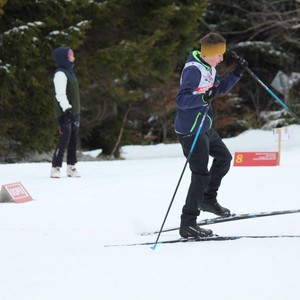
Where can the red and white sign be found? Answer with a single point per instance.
(256, 159)
(14, 192)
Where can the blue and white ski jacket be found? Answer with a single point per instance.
(197, 77)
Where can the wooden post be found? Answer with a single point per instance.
(278, 132)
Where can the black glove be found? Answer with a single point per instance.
(210, 94)
(68, 117)
(241, 64)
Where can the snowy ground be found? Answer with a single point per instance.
(54, 246)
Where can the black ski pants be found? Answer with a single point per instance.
(68, 139)
(204, 182)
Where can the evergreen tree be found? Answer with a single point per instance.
(30, 30)
(134, 49)
(267, 34)
(127, 52)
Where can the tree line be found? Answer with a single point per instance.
(129, 55)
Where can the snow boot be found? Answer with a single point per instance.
(55, 172)
(72, 171)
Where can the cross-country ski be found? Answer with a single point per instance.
(233, 217)
(214, 238)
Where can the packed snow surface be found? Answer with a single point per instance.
(54, 247)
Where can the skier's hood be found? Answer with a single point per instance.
(60, 57)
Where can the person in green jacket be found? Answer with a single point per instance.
(67, 111)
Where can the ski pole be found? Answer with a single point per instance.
(181, 175)
(235, 56)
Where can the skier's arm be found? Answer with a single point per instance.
(60, 86)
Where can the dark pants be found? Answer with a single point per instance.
(204, 183)
(68, 138)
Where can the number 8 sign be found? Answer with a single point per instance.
(256, 159)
